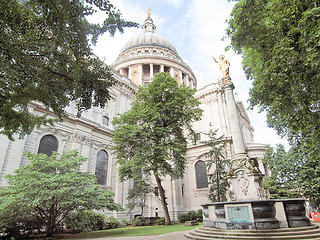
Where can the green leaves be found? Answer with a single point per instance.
(294, 173)
(281, 54)
(150, 138)
(284, 167)
(216, 161)
(45, 56)
(50, 188)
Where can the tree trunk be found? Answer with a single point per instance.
(218, 180)
(142, 210)
(163, 199)
(51, 222)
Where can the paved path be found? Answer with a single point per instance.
(168, 236)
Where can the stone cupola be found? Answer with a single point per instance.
(149, 53)
(148, 25)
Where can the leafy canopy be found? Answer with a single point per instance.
(284, 173)
(151, 137)
(49, 189)
(293, 173)
(280, 44)
(306, 151)
(45, 56)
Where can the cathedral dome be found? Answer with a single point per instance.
(147, 54)
(148, 39)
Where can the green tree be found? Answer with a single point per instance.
(151, 137)
(284, 173)
(45, 56)
(137, 195)
(216, 159)
(280, 44)
(43, 193)
(306, 153)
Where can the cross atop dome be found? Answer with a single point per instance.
(148, 25)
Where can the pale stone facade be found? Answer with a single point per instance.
(140, 59)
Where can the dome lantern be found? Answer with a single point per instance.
(148, 25)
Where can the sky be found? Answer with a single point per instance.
(196, 29)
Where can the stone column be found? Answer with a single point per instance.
(172, 72)
(140, 74)
(129, 72)
(161, 68)
(239, 147)
(181, 79)
(151, 72)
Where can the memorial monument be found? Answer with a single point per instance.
(248, 207)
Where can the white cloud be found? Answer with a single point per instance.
(176, 3)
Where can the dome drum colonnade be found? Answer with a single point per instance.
(148, 53)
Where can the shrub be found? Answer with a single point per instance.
(199, 215)
(160, 221)
(183, 217)
(16, 221)
(111, 223)
(139, 221)
(85, 221)
(124, 222)
(191, 215)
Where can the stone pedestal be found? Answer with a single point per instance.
(256, 214)
(245, 180)
(295, 212)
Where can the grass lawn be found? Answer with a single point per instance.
(137, 231)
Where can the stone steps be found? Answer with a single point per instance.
(205, 233)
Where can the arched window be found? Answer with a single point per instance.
(105, 120)
(102, 167)
(201, 174)
(48, 144)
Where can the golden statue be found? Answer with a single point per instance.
(148, 12)
(223, 65)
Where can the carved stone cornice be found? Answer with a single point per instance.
(200, 192)
(80, 138)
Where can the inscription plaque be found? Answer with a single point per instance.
(239, 214)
